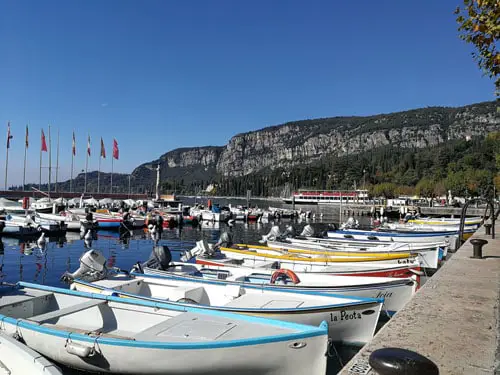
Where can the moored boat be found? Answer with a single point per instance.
(18, 359)
(109, 334)
(396, 292)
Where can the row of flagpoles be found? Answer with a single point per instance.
(44, 148)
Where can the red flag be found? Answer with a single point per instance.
(103, 151)
(116, 152)
(27, 143)
(88, 146)
(44, 144)
(74, 145)
(9, 136)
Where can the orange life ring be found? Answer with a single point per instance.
(289, 273)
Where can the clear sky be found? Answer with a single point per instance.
(161, 74)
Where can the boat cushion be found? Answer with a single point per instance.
(67, 310)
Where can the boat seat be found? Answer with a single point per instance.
(66, 310)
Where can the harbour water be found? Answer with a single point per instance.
(24, 261)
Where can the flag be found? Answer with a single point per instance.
(88, 146)
(44, 144)
(116, 152)
(103, 151)
(27, 143)
(74, 145)
(9, 136)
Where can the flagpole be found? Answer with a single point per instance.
(72, 160)
(40, 179)
(112, 157)
(57, 159)
(50, 162)
(86, 164)
(7, 157)
(25, 155)
(98, 173)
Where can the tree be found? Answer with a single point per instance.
(478, 22)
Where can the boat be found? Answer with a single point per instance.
(429, 255)
(105, 333)
(393, 236)
(351, 320)
(10, 207)
(396, 292)
(72, 221)
(207, 254)
(327, 196)
(18, 359)
(446, 221)
(8, 228)
(44, 204)
(49, 227)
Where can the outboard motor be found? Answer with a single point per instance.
(225, 240)
(308, 231)
(289, 232)
(159, 259)
(202, 248)
(350, 223)
(92, 268)
(273, 234)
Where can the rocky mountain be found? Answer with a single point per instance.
(308, 141)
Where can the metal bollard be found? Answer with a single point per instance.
(478, 244)
(397, 361)
(487, 228)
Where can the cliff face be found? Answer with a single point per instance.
(197, 163)
(305, 142)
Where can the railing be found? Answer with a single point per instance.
(493, 215)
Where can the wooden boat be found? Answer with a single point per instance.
(100, 333)
(351, 320)
(429, 255)
(18, 359)
(396, 292)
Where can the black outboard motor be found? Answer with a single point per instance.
(225, 240)
(159, 259)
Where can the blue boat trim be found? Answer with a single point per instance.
(395, 234)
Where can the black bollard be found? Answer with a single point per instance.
(478, 244)
(397, 361)
(487, 228)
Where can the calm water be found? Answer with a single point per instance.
(23, 261)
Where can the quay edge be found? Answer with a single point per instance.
(453, 319)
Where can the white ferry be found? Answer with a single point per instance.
(327, 196)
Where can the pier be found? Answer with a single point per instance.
(453, 320)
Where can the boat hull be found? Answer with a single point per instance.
(352, 324)
(145, 359)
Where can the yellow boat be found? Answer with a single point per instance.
(300, 256)
(328, 253)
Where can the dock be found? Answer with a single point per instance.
(453, 319)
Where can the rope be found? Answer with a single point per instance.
(336, 353)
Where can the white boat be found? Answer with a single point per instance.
(396, 292)
(327, 197)
(18, 359)
(429, 255)
(220, 217)
(41, 224)
(8, 228)
(11, 207)
(72, 221)
(351, 320)
(102, 333)
(205, 254)
(43, 205)
(392, 236)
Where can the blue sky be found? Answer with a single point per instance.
(158, 75)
